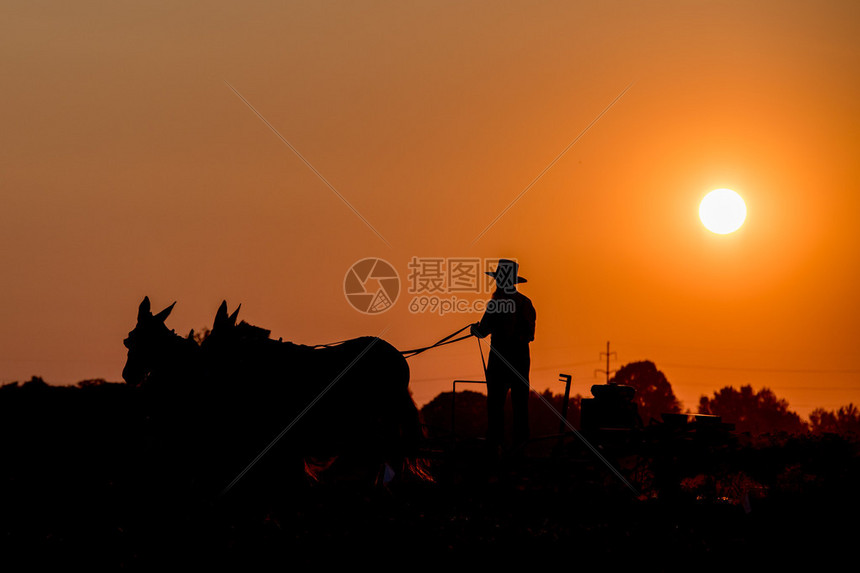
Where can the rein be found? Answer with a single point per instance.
(416, 351)
(483, 362)
(442, 342)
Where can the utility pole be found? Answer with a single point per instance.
(607, 371)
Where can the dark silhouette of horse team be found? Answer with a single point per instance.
(239, 394)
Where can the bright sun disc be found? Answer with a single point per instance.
(722, 211)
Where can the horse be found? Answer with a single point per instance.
(241, 397)
(346, 403)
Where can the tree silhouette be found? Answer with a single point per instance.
(654, 395)
(754, 412)
(471, 414)
(92, 383)
(845, 421)
(199, 336)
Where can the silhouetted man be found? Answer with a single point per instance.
(510, 320)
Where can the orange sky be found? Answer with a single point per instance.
(130, 168)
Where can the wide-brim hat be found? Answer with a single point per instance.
(507, 271)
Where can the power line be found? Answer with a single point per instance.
(781, 387)
(769, 370)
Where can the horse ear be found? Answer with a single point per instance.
(221, 318)
(162, 316)
(220, 315)
(234, 316)
(143, 311)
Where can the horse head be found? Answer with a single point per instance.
(150, 344)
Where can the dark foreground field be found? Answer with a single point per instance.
(86, 485)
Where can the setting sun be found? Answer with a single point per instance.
(722, 211)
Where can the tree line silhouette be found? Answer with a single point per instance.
(752, 412)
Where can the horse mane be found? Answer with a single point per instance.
(246, 330)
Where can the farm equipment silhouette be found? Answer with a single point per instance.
(660, 455)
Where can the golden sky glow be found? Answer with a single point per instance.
(130, 168)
